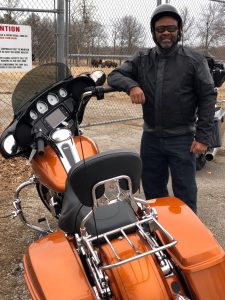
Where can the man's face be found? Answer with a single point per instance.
(166, 32)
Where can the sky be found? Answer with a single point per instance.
(108, 10)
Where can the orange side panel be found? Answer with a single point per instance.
(48, 167)
(53, 271)
(197, 253)
(136, 280)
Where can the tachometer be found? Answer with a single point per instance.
(42, 107)
(52, 99)
(62, 92)
(33, 115)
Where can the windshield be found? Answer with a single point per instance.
(36, 81)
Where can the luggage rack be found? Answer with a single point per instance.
(155, 248)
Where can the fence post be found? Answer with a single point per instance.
(60, 31)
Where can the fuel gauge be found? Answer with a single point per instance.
(62, 92)
(33, 115)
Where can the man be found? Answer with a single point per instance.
(176, 90)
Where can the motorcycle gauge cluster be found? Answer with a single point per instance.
(33, 115)
(62, 92)
(52, 99)
(42, 107)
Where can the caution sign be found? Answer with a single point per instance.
(15, 48)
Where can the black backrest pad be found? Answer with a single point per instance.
(84, 175)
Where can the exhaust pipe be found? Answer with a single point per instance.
(210, 154)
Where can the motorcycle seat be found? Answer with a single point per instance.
(78, 199)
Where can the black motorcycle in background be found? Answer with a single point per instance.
(218, 74)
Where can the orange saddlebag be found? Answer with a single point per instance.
(53, 270)
(197, 253)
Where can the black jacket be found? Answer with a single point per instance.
(178, 90)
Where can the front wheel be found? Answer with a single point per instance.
(200, 162)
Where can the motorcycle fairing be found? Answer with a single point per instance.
(35, 86)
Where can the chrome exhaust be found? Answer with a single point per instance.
(210, 154)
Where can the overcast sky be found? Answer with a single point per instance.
(109, 10)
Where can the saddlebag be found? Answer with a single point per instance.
(54, 271)
(197, 254)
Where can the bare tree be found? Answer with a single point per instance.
(130, 34)
(211, 26)
(115, 34)
(9, 17)
(188, 24)
(81, 14)
(43, 45)
(98, 37)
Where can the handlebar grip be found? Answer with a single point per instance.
(109, 89)
(40, 146)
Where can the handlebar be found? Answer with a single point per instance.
(98, 91)
(40, 145)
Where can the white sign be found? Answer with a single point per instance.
(15, 48)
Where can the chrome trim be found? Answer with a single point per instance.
(87, 241)
(72, 157)
(18, 209)
(210, 154)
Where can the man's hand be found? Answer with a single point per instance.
(198, 148)
(137, 96)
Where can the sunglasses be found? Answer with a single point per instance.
(169, 28)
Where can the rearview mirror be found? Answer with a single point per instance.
(99, 77)
(9, 145)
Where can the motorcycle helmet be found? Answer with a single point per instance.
(162, 11)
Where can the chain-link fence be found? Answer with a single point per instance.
(42, 19)
(102, 34)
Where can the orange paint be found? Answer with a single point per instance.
(49, 169)
(138, 279)
(53, 271)
(197, 253)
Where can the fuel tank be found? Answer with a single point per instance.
(49, 169)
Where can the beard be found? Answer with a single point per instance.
(167, 42)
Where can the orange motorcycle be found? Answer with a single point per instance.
(109, 244)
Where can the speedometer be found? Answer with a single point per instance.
(52, 99)
(42, 107)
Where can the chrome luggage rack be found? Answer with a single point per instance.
(155, 248)
(149, 220)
